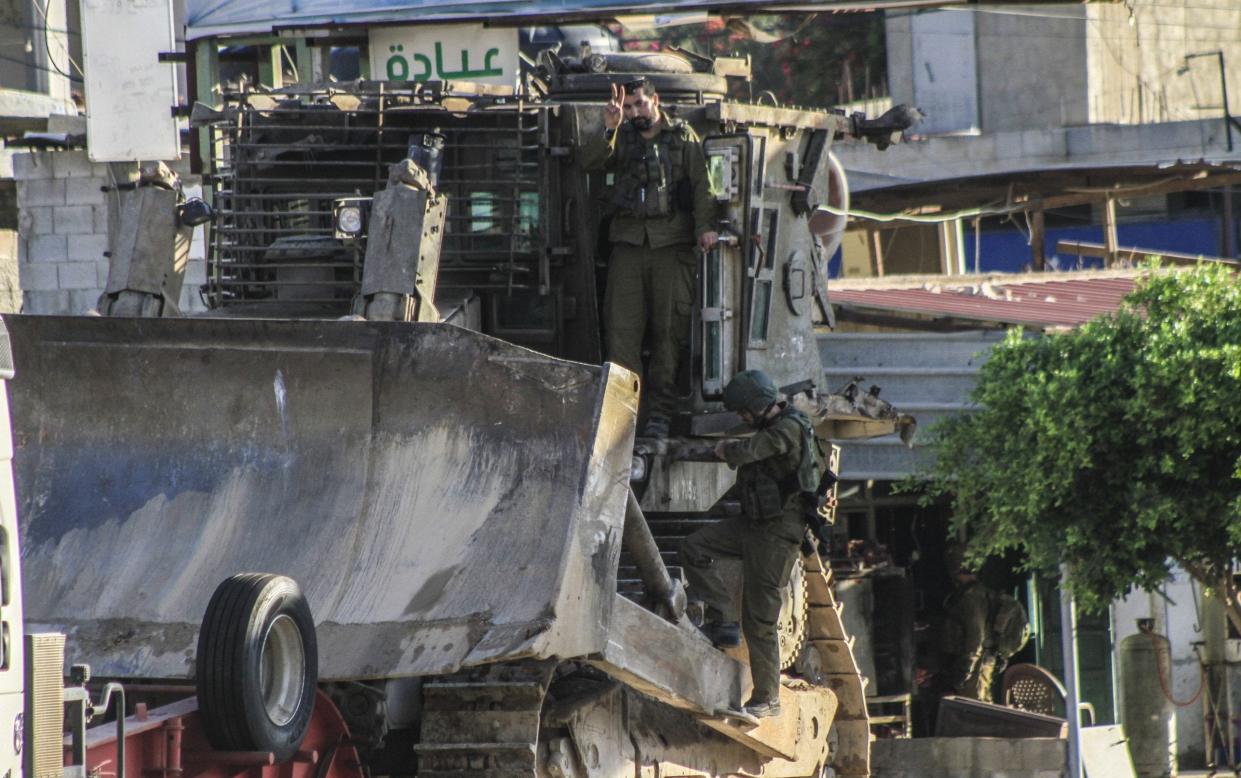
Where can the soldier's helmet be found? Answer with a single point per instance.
(750, 390)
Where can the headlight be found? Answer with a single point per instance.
(637, 468)
(349, 217)
(349, 220)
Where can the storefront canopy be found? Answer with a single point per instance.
(222, 17)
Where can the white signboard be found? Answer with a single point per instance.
(945, 71)
(457, 52)
(129, 92)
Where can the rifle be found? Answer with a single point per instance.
(819, 531)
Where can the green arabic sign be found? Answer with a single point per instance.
(445, 53)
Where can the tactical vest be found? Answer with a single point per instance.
(767, 485)
(651, 180)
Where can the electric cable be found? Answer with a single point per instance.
(35, 66)
(47, 46)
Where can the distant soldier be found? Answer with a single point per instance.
(777, 465)
(661, 208)
(969, 658)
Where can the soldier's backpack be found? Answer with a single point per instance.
(1010, 625)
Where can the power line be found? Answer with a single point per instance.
(39, 67)
(47, 46)
(59, 30)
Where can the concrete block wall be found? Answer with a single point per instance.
(10, 288)
(63, 234)
(969, 757)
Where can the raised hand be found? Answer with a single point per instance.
(614, 111)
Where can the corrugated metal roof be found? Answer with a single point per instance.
(928, 375)
(1046, 300)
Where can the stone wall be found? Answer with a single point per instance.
(63, 234)
(968, 757)
(1136, 66)
(1067, 65)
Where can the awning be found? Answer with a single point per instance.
(223, 17)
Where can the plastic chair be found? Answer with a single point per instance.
(1033, 688)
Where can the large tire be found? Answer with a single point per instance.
(257, 665)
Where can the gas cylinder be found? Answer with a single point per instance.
(1147, 712)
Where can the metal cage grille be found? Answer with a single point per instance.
(281, 164)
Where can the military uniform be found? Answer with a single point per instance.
(969, 660)
(776, 465)
(661, 204)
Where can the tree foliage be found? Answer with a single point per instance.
(1115, 448)
(820, 60)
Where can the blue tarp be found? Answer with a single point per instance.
(217, 17)
(1006, 251)
(221, 17)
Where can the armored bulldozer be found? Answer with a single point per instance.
(398, 400)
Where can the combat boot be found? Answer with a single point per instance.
(762, 709)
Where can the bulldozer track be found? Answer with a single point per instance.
(833, 650)
(483, 723)
(794, 612)
(819, 632)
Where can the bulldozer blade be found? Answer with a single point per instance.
(443, 498)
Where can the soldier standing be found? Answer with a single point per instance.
(777, 465)
(662, 206)
(969, 659)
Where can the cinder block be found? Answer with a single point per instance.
(35, 220)
(28, 166)
(956, 754)
(73, 164)
(74, 220)
(39, 278)
(87, 248)
(46, 248)
(118, 172)
(40, 192)
(83, 300)
(60, 122)
(45, 302)
(994, 755)
(84, 191)
(101, 217)
(1043, 753)
(101, 273)
(78, 275)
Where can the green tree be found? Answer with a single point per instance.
(1115, 448)
(819, 60)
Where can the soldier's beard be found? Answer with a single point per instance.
(641, 123)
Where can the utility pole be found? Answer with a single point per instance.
(1068, 649)
(1038, 241)
(1109, 232)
